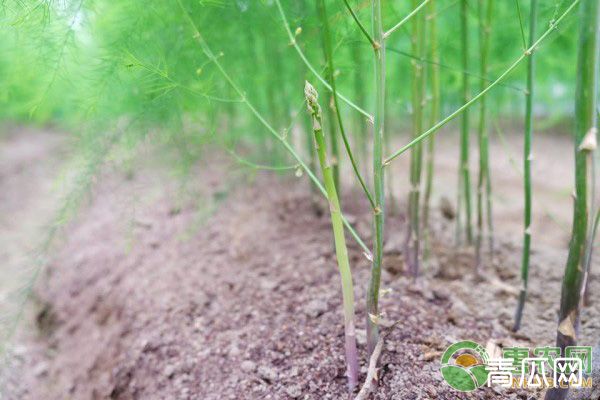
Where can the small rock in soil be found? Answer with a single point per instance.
(294, 391)
(169, 371)
(361, 336)
(315, 308)
(248, 366)
(268, 374)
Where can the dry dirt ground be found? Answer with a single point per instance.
(227, 287)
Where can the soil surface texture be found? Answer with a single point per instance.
(227, 287)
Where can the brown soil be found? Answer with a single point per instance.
(230, 291)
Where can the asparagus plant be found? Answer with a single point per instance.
(378, 176)
(496, 82)
(483, 182)
(378, 200)
(338, 232)
(434, 116)
(527, 158)
(416, 161)
(585, 141)
(463, 204)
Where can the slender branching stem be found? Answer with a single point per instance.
(253, 165)
(378, 180)
(312, 69)
(527, 158)
(341, 250)
(211, 56)
(360, 25)
(405, 19)
(483, 141)
(585, 141)
(336, 105)
(413, 235)
(449, 67)
(434, 116)
(330, 112)
(588, 258)
(464, 176)
(521, 25)
(498, 80)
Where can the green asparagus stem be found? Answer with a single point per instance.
(585, 140)
(378, 178)
(464, 180)
(341, 250)
(434, 116)
(527, 157)
(412, 253)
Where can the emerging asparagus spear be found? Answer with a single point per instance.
(341, 250)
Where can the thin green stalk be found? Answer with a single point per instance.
(253, 165)
(527, 157)
(341, 250)
(360, 25)
(360, 124)
(585, 293)
(585, 145)
(413, 237)
(521, 25)
(335, 107)
(333, 141)
(211, 56)
(488, 203)
(434, 116)
(329, 107)
(449, 67)
(404, 20)
(312, 69)
(483, 140)
(498, 80)
(464, 179)
(378, 179)
(389, 183)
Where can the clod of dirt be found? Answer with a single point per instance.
(315, 308)
(46, 320)
(267, 373)
(248, 366)
(447, 208)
